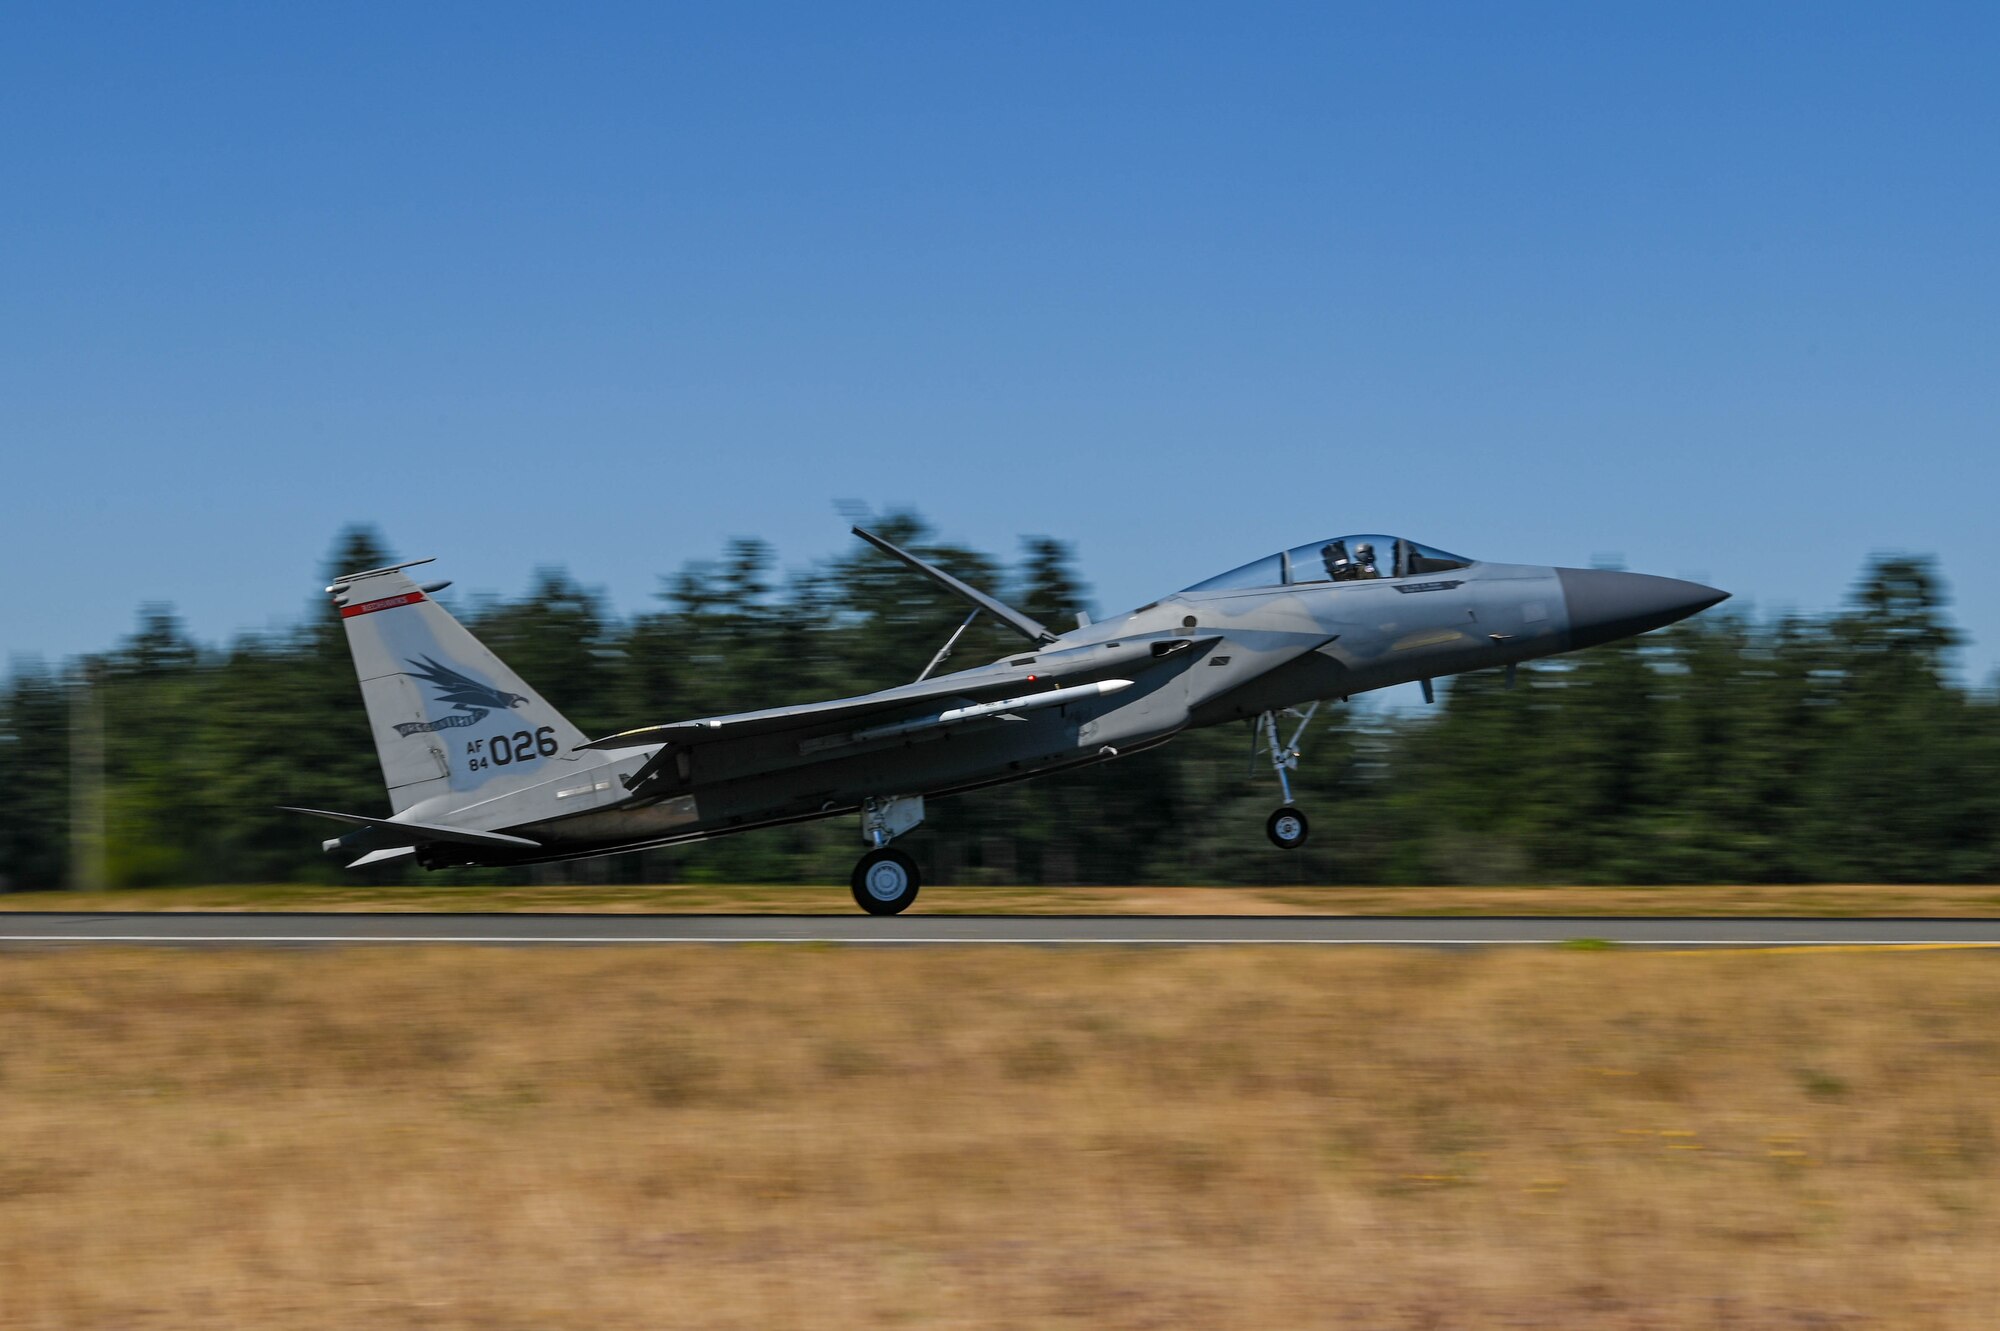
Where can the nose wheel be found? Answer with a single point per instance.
(885, 882)
(1287, 828)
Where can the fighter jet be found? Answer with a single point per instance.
(482, 770)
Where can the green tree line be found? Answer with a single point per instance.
(1726, 749)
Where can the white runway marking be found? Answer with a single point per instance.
(22, 929)
(977, 940)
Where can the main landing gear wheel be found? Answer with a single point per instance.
(885, 882)
(1287, 828)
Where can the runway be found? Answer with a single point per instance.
(286, 929)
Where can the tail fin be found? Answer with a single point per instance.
(453, 725)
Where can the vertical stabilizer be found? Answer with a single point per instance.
(452, 724)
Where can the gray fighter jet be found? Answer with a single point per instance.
(481, 770)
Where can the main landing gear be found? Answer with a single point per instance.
(885, 882)
(1287, 827)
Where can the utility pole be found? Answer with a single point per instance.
(86, 780)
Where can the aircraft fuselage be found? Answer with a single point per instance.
(1197, 658)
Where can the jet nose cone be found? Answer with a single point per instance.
(1605, 606)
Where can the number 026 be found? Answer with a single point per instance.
(521, 746)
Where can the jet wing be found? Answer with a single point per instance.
(967, 687)
(772, 720)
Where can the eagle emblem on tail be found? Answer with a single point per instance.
(471, 699)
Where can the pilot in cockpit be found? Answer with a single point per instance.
(1342, 567)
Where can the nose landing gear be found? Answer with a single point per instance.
(1287, 827)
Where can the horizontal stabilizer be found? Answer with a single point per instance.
(425, 832)
(384, 856)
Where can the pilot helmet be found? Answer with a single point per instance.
(1365, 553)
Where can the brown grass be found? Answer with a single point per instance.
(1819, 899)
(797, 1136)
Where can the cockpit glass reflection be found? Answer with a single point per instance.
(1360, 558)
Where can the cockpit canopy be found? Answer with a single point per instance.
(1340, 559)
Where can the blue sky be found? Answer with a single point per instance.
(1708, 289)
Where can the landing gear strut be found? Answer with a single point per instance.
(1287, 827)
(885, 882)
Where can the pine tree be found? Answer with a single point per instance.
(34, 779)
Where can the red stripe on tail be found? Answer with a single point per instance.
(386, 603)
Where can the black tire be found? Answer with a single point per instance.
(885, 882)
(1287, 828)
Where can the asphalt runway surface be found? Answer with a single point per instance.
(275, 929)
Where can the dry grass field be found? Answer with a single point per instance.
(763, 1137)
(442, 895)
